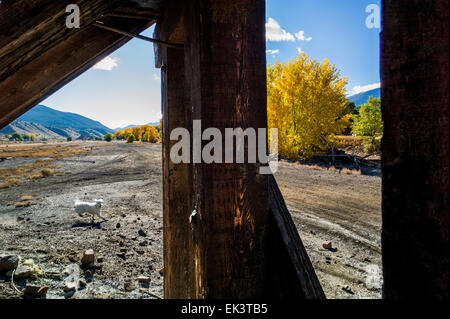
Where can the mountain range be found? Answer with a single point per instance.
(48, 123)
(45, 122)
(362, 98)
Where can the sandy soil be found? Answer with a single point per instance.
(325, 205)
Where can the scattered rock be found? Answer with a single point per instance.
(128, 285)
(134, 238)
(143, 280)
(70, 286)
(72, 282)
(23, 272)
(161, 271)
(121, 243)
(88, 274)
(88, 257)
(118, 225)
(82, 283)
(143, 243)
(122, 255)
(9, 262)
(123, 215)
(123, 250)
(100, 259)
(348, 290)
(327, 245)
(142, 233)
(35, 291)
(366, 260)
(140, 251)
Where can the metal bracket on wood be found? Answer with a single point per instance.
(100, 24)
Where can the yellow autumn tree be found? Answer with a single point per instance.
(137, 132)
(306, 100)
(127, 132)
(119, 135)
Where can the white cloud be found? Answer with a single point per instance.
(274, 32)
(300, 35)
(273, 52)
(360, 89)
(107, 64)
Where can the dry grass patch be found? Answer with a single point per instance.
(10, 182)
(14, 176)
(350, 171)
(55, 151)
(27, 203)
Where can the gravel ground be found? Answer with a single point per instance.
(325, 205)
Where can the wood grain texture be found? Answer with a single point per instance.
(41, 55)
(226, 82)
(415, 148)
(290, 274)
(177, 180)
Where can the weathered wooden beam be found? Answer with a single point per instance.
(177, 180)
(415, 148)
(290, 273)
(57, 66)
(27, 30)
(225, 76)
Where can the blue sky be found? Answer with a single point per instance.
(125, 88)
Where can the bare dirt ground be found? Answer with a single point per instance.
(325, 205)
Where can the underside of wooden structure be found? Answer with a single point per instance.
(227, 231)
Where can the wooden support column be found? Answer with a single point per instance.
(177, 190)
(226, 81)
(415, 148)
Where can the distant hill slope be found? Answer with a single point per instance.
(48, 123)
(362, 98)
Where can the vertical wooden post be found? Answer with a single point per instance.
(177, 190)
(415, 148)
(225, 76)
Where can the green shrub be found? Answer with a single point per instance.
(131, 138)
(108, 137)
(17, 136)
(69, 139)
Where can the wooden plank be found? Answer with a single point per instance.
(59, 65)
(177, 190)
(28, 30)
(415, 148)
(225, 76)
(292, 274)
